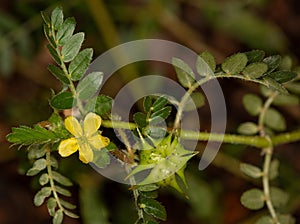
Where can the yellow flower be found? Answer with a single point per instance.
(86, 137)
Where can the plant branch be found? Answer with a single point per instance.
(256, 141)
(51, 181)
(267, 152)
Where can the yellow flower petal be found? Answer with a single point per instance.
(67, 147)
(98, 141)
(86, 154)
(91, 124)
(73, 126)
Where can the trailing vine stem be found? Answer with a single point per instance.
(185, 98)
(51, 181)
(132, 181)
(267, 152)
(256, 141)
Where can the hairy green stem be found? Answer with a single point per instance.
(256, 141)
(51, 181)
(268, 152)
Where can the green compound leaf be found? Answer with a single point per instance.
(253, 104)
(255, 56)
(140, 119)
(41, 195)
(89, 85)
(185, 74)
(274, 120)
(24, 135)
(274, 169)
(273, 62)
(44, 179)
(58, 217)
(253, 199)
(57, 17)
(282, 76)
(153, 208)
(51, 205)
(234, 64)
(65, 31)
(248, 128)
(206, 64)
(58, 73)
(285, 100)
(197, 100)
(250, 170)
(61, 179)
(79, 65)
(255, 70)
(63, 101)
(159, 103)
(38, 166)
(72, 47)
(279, 198)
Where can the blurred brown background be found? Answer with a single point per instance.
(221, 27)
